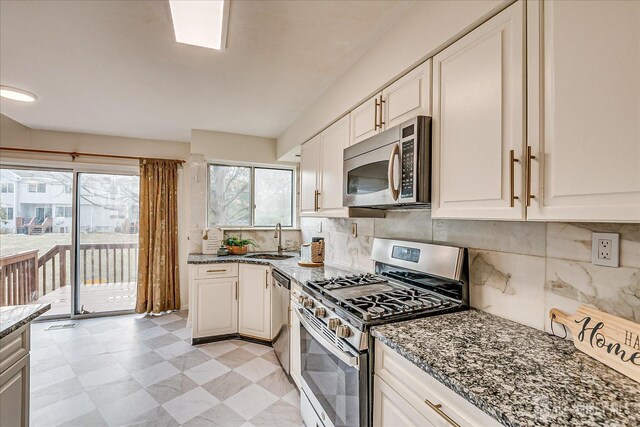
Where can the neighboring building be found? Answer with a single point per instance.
(37, 202)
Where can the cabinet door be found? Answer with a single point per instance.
(584, 110)
(255, 301)
(333, 141)
(364, 120)
(390, 409)
(478, 118)
(14, 394)
(309, 163)
(216, 307)
(408, 97)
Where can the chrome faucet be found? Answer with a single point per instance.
(278, 234)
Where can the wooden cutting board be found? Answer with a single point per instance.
(609, 339)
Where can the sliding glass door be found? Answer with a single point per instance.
(68, 238)
(107, 249)
(35, 238)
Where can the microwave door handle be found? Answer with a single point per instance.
(344, 357)
(395, 152)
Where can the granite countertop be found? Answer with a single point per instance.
(13, 317)
(289, 267)
(518, 375)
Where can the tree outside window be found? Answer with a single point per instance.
(245, 196)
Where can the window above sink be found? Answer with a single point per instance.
(242, 196)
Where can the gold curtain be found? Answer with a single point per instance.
(158, 278)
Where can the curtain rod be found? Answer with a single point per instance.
(75, 154)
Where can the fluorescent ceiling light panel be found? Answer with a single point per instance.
(17, 94)
(200, 22)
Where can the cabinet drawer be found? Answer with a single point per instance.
(13, 347)
(215, 270)
(421, 389)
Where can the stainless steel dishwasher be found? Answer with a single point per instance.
(281, 305)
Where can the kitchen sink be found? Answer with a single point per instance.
(269, 256)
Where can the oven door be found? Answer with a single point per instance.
(373, 178)
(333, 378)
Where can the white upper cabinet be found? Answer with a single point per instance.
(255, 301)
(478, 122)
(584, 110)
(333, 141)
(408, 97)
(365, 119)
(309, 176)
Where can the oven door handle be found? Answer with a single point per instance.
(395, 152)
(344, 357)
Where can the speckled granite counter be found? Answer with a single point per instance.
(15, 316)
(289, 267)
(518, 375)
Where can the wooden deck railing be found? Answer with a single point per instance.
(24, 277)
(19, 278)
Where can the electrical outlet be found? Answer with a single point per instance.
(605, 249)
(354, 230)
(319, 227)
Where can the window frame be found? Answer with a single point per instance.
(8, 188)
(7, 210)
(252, 185)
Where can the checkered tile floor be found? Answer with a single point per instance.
(143, 371)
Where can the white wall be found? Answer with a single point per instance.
(423, 31)
(14, 134)
(233, 147)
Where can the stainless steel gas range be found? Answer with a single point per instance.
(411, 280)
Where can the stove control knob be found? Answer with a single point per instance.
(343, 331)
(320, 312)
(301, 299)
(334, 323)
(308, 303)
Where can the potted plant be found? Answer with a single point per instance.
(238, 246)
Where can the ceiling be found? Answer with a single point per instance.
(112, 67)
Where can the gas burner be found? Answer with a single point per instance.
(376, 310)
(398, 301)
(348, 281)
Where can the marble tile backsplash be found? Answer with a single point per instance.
(518, 270)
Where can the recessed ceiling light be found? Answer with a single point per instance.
(17, 94)
(200, 22)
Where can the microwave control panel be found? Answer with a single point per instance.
(408, 160)
(407, 169)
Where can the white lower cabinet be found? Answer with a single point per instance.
(403, 394)
(390, 409)
(216, 305)
(255, 301)
(14, 378)
(239, 302)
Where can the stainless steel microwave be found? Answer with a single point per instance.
(392, 168)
